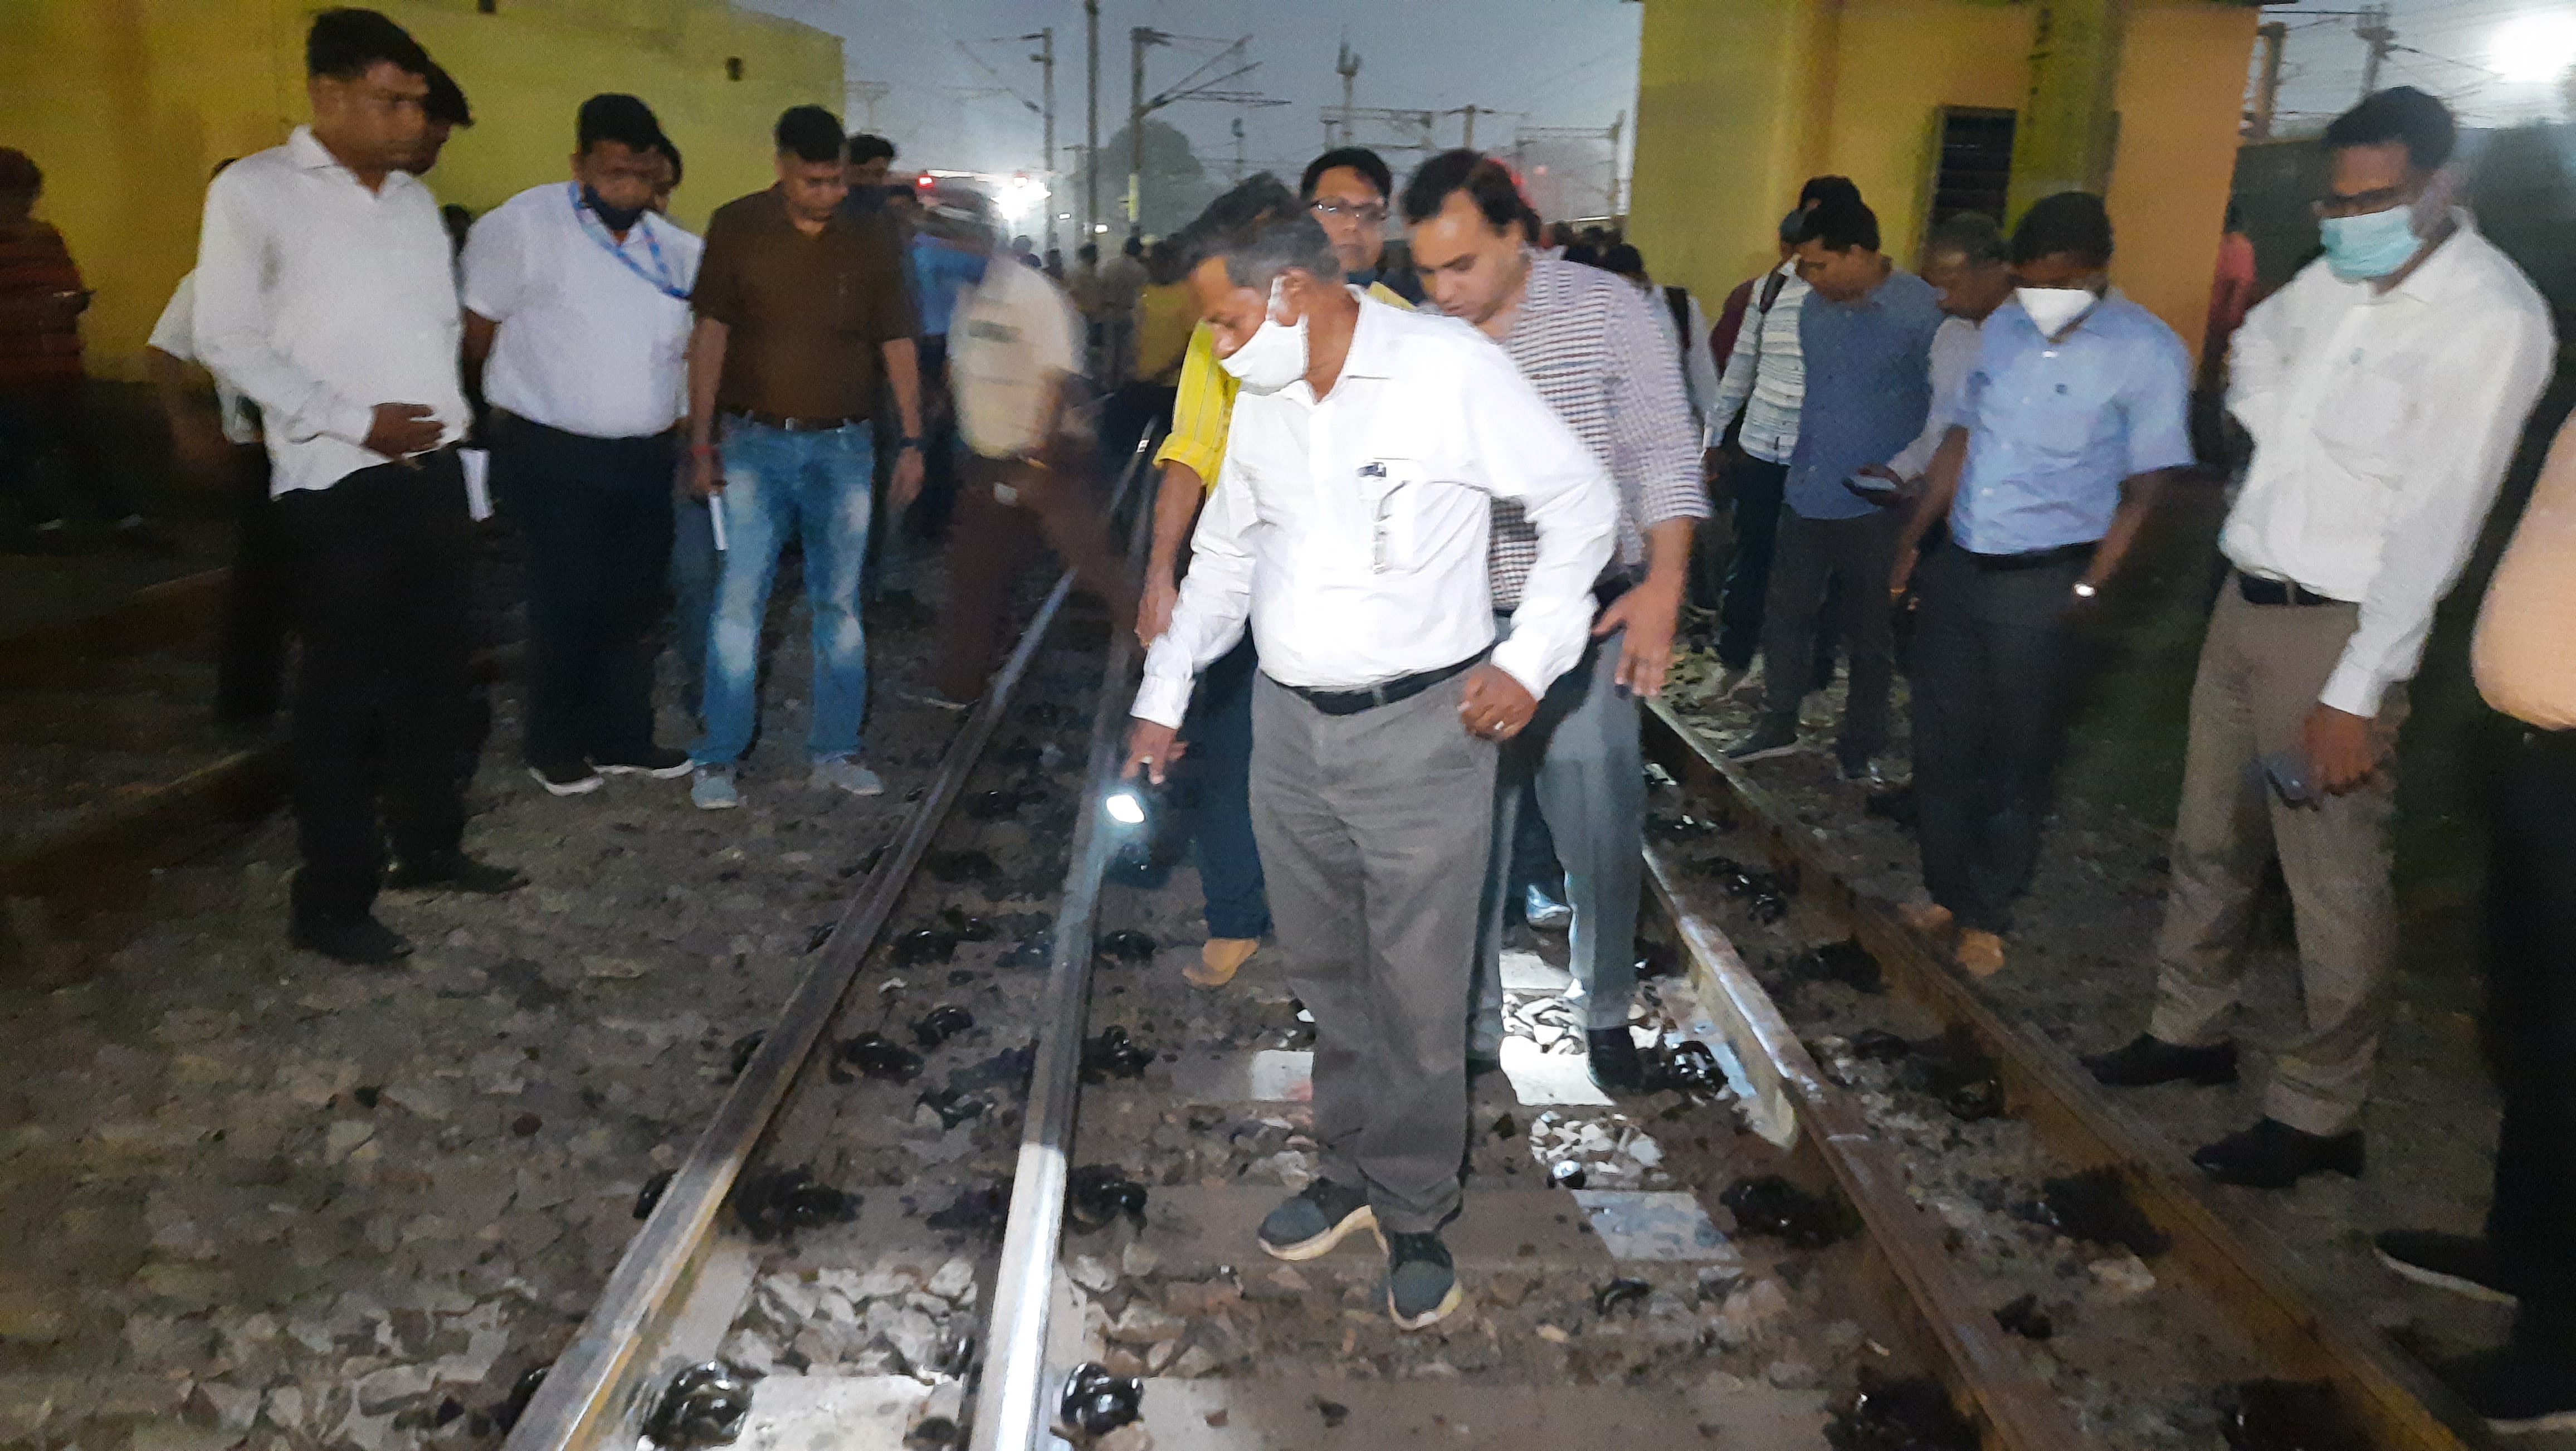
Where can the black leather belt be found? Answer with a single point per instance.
(2033, 558)
(2280, 592)
(1403, 687)
(796, 425)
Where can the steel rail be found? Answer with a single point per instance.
(599, 1390)
(2246, 1268)
(1010, 1408)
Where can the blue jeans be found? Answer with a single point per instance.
(1220, 730)
(816, 486)
(695, 564)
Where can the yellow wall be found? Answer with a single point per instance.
(1741, 100)
(128, 104)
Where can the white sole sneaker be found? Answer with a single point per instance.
(657, 773)
(2456, 1284)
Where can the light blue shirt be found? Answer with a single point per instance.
(2054, 427)
(1869, 385)
(939, 273)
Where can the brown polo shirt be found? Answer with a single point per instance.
(805, 316)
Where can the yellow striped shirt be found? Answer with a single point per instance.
(1205, 407)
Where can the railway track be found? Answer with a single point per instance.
(990, 1186)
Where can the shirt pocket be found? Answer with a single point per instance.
(2359, 421)
(1390, 498)
(2057, 419)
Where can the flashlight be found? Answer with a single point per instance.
(1126, 806)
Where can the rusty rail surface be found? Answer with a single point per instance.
(2246, 1268)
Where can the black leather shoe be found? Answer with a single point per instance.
(1615, 1065)
(2147, 1060)
(359, 941)
(454, 872)
(2519, 1388)
(2273, 1155)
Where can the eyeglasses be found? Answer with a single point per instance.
(1365, 212)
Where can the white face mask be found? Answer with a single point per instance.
(2053, 308)
(1274, 356)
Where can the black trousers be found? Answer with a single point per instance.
(1829, 578)
(381, 561)
(594, 521)
(1991, 659)
(2530, 1027)
(1758, 489)
(259, 606)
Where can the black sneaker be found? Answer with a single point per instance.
(454, 871)
(1775, 736)
(659, 762)
(1545, 913)
(1314, 1219)
(2518, 1388)
(2273, 1155)
(1613, 1056)
(1421, 1283)
(2147, 1060)
(359, 941)
(2464, 1264)
(565, 778)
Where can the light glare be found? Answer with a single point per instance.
(2534, 49)
(1125, 809)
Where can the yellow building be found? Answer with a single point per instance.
(128, 104)
(1739, 101)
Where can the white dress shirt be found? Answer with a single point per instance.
(1767, 380)
(1353, 529)
(1010, 346)
(319, 299)
(1954, 357)
(594, 332)
(2382, 425)
(176, 334)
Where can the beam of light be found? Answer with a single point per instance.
(2534, 49)
(1020, 197)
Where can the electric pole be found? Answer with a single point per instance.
(2267, 91)
(1347, 66)
(1139, 40)
(1046, 63)
(1091, 126)
(2374, 32)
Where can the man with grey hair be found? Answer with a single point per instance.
(1350, 523)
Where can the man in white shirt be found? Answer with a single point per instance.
(1349, 524)
(576, 300)
(2385, 388)
(324, 294)
(1012, 349)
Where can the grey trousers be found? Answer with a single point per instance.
(1582, 753)
(1373, 836)
(2260, 671)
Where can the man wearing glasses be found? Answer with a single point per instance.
(2385, 388)
(1346, 191)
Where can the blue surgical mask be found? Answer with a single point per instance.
(2373, 245)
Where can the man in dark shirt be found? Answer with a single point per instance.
(801, 313)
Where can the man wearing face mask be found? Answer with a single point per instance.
(2384, 388)
(1590, 344)
(1346, 190)
(1349, 525)
(2050, 453)
(576, 303)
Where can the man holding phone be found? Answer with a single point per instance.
(2385, 388)
(2078, 400)
(1866, 336)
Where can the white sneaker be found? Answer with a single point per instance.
(711, 789)
(846, 773)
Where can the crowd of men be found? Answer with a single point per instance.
(1423, 539)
